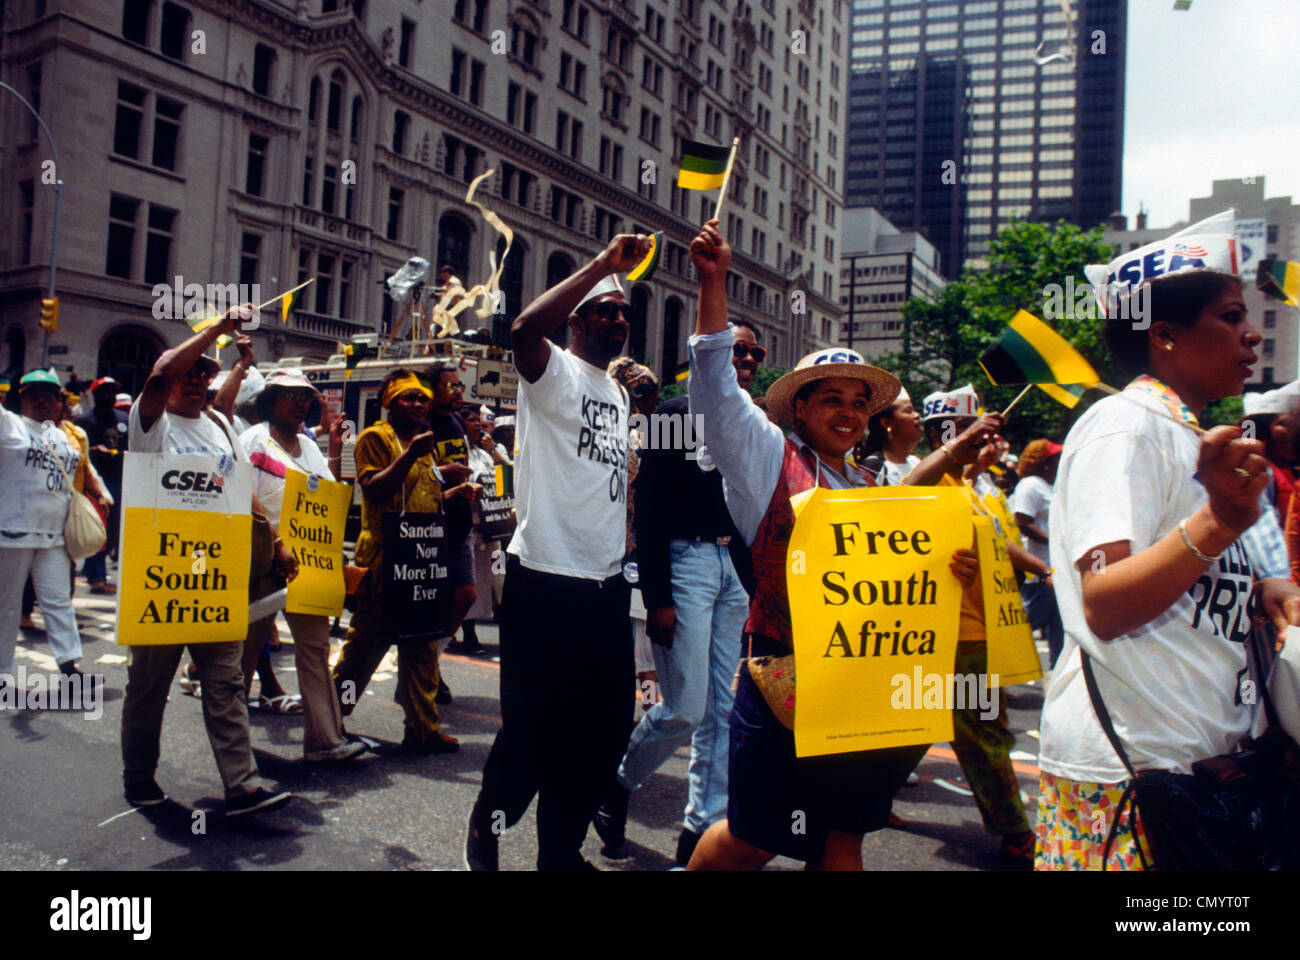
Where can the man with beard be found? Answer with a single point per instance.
(696, 607)
(566, 638)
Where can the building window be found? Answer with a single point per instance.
(257, 145)
(122, 212)
(135, 20)
(324, 283)
(158, 244)
(394, 213)
(334, 111)
(406, 46)
(27, 197)
(263, 63)
(354, 128)
(401, 121)
(328, 188)
(1269, 347)
(130, 120)
(306, 181)
(523, 44)
(175, 31)
(166, 132)
(250, 253)
(1270, 319)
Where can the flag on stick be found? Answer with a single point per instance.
(703, 166)
(1029, 351)
(1280, 280)
(1069, 394)
(646, 268)
(288, 302)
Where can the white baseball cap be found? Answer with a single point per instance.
(947, 404)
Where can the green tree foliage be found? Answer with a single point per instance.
(944, 338)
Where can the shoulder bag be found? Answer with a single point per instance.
(84, 533)
(1237, 811)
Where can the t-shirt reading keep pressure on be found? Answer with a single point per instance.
(571, 472)
(1172, 686)
(33, 494)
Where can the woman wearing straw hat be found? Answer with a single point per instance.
(828, 397)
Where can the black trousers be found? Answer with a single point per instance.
(567, 704)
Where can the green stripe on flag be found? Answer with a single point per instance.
(1066, 364)
(287, 303)
(646, 268)
(1069, 395)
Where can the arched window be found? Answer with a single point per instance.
(512, 290)
(313, 101)
(453, 246)
(401, 121)
(334, 113)
(127, 354)
(559, 267)
(672, 333)
(354, 129)
(637, 321)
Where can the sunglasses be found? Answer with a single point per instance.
(607, 311)
(643, 390)
(454, 387)
(741, 350)
(200, 374)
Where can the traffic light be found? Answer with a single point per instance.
(50, 314)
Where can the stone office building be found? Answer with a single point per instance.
(265, 142)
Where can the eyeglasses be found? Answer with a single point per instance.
(741, 350)
(199, 373)
(607, 311)
(454, 387)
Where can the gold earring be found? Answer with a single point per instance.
(1169, 346)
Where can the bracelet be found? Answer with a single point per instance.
(1182, 529)
(948, 453)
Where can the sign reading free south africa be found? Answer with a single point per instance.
(312, 517)
(872, 598)
(1013, 658)
(186, 537)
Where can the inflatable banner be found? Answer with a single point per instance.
(185, 543)
(874, 609)
(1013, 658)
(312, 517)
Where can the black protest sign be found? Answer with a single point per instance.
(416, 593)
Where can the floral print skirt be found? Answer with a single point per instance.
(1074, 818)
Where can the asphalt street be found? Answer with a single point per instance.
(65, 810)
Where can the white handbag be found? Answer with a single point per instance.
(84, 534)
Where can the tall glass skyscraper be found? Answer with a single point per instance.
(964, 116)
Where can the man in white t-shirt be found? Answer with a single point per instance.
(566, 637)
(34, 499)
(169, 417)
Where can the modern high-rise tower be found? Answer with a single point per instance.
(966, 116)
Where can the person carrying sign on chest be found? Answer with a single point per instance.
(829, 398)
(34, 501)
(396, 471)
(169, 418)
(566, 636)
(275, 447)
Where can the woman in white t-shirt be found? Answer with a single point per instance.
(276, 446)
(892, 435)
(34, 499)
(1151, 581)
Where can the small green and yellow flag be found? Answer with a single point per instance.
(1280, 280)
(199, 324)
(1029, 351)
(703, 165)
(646, 268)
(1069, 394)
(288, 302)
(505, 480)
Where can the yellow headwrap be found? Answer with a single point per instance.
(400, 386)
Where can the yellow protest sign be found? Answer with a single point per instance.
(311, 526)
(996, 503)
(874, 609)
(1013, 658)
(186, 537)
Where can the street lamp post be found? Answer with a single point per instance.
(58, 205)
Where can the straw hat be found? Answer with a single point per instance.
(882, 387)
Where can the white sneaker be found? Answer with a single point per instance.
(344, 751)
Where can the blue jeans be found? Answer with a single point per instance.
(1045, 615)
(695, 676)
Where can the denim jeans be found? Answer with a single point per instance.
(695, 676)
(1045, 615)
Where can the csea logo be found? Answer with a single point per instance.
(191, 480)
(74, 913)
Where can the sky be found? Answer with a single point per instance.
(1211, 93)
